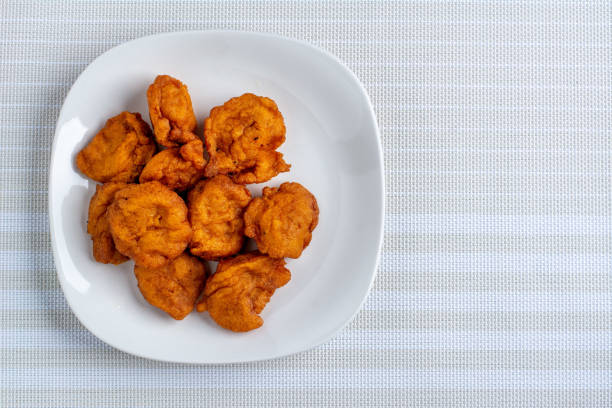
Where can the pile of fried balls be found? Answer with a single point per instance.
(171, 201)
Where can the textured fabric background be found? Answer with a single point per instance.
(494, 287)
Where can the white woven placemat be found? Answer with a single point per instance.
(494, 287)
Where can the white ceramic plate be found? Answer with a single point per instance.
(332, 144)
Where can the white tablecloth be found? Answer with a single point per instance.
(494, 287)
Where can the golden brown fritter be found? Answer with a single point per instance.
(178, 168)
(215, 210)
(282, 220)
(104, 250)
(175, 287)
(240, 289)
(171, 112)
(149, 223)
(119, 151)
(242, 137)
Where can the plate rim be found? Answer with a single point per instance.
(380, 237)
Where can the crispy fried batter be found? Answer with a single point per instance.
(149, 224)
(171, 111)
(215, 210)
(104, 250)
(119, 151)
(240, 289)
(175, 287)
(178, 168)
(194, 152)
(282, 220)
(267, 165)
(241, 138)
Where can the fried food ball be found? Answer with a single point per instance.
(104, 250)
(178, 168)
(215, 211)
(119, 151)
(171, 112)
(282, 220)
(175, 287)
(149, 224)
(241, 138)
(240, 289)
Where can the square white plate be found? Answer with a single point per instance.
(333, 146)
